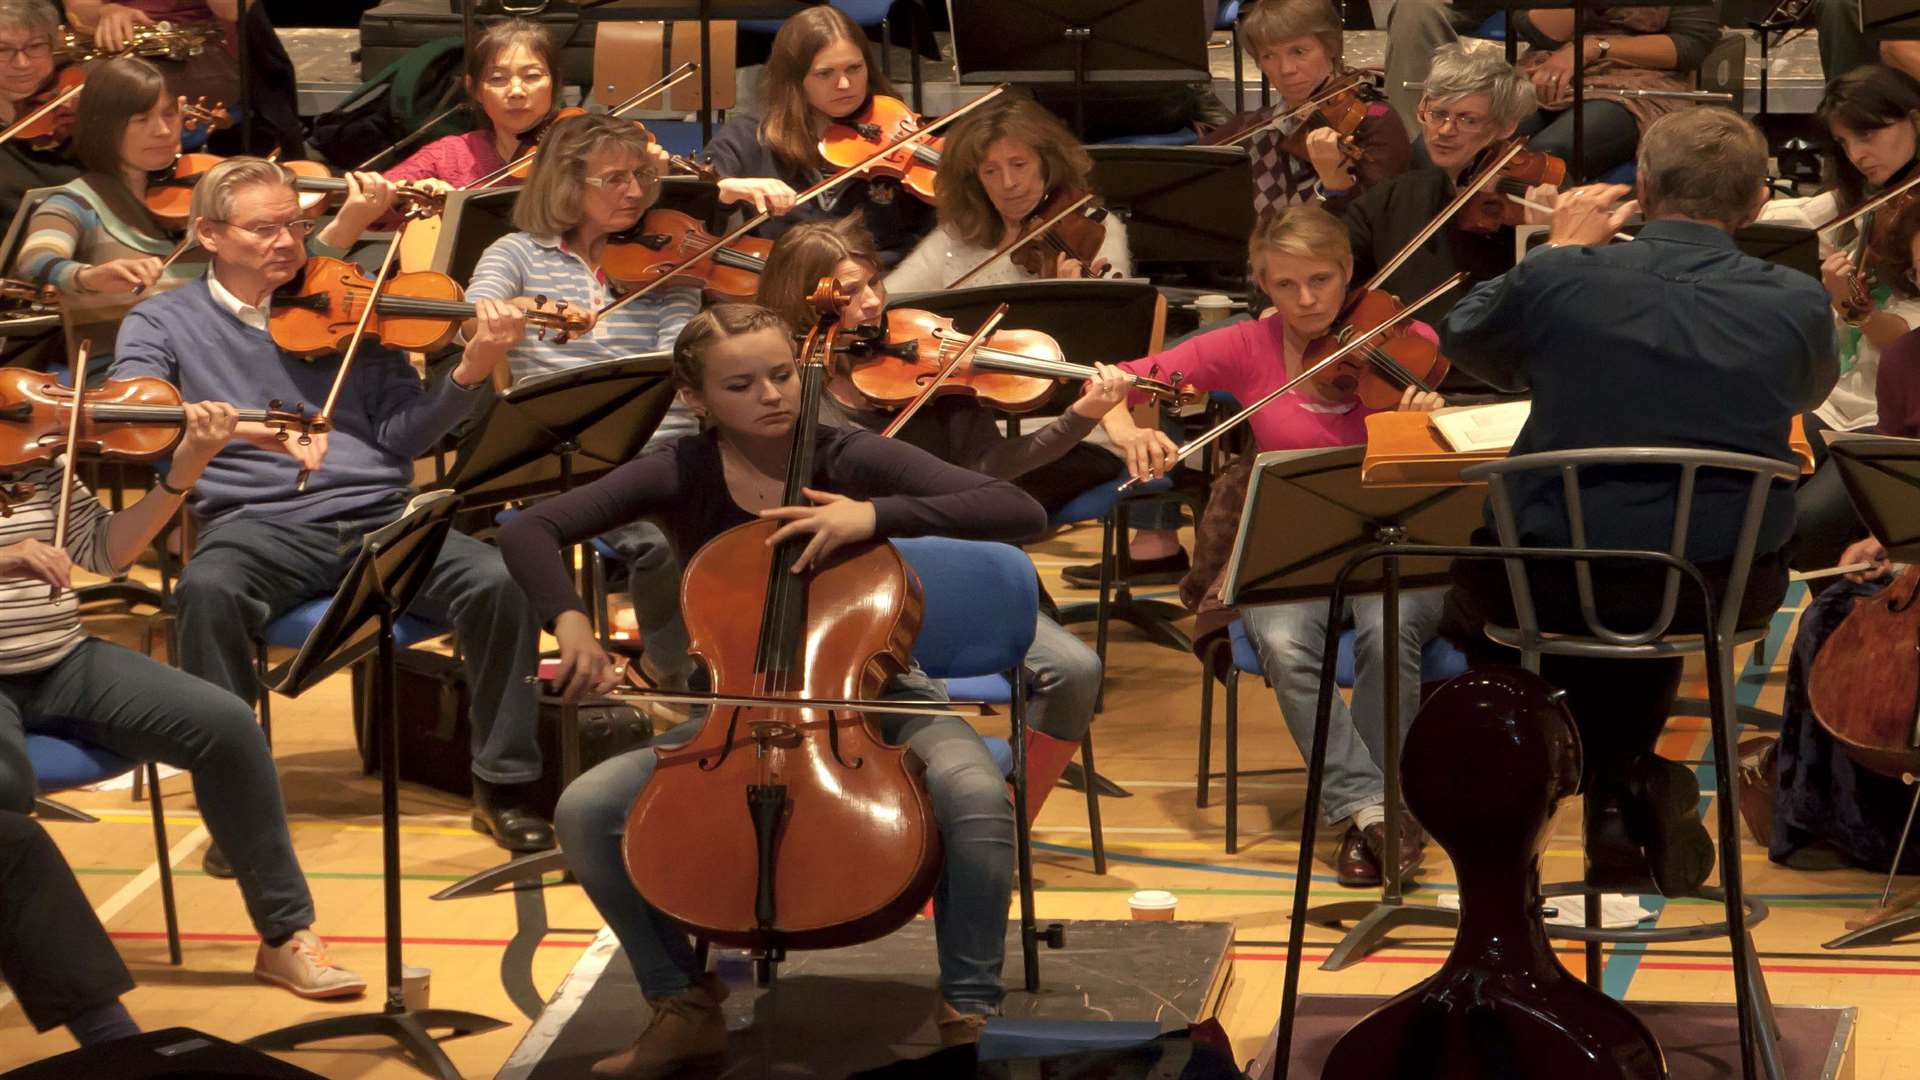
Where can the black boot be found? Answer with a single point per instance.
(503, 811)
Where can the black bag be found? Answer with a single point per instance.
(435, 733)
(394, 103)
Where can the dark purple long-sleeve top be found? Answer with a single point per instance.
(684, 487)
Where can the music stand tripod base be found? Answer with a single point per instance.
(527, 869)
(1373, 921)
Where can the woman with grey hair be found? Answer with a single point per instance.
(27, 29)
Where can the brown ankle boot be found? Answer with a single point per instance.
(686, 1029)
(958, 1028)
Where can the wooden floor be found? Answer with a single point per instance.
(1157, 839)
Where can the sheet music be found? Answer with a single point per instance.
(1481, 427)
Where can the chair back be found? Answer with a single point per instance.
(630, 56)
(1762, 472)
(981, 601)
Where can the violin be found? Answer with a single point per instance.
(32, 293)
(1342, 107)
(665, 240)
(122, 420)
(522, 165)
(1865, 683)
(811, 831)
(44, 120)
(170, 192)
(854, 141)
(1491, 209)
(1013, 370)
(1077, 235)
(1501, 1004)
(317, 313)
(1379, 374)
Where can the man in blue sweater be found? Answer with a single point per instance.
(265, 546)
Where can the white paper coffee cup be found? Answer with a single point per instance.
(1155, 904)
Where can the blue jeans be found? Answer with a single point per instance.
(1064, 676)
(969, 804)
(1289, 639)
(143, 710)
(1611, 136)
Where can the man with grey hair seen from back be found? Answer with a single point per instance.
(1473, 101)
(1678, 339)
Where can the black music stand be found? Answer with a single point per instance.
(389, 572)
(530, 443)
(1307, 513)
(1081, 42)
(1882, 477)
(1891, 19)
(1181, 204)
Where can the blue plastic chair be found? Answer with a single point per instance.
(290, 630)
(961, 607)
(1439, 661)
(62, 764)
(980, 602)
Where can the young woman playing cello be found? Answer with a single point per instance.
(734, 364)
(957, 428)
(820, 71)
(1303, 262)
(999, 165)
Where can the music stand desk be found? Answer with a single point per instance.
(378, 587)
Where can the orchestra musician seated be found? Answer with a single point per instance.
(54, 954)
(265, 544)
(1004, 170)
(1689, 331)
(27, 31)
(57, 679)
(958, 428)
(820, 71)
(734, 363)
(1302, 261)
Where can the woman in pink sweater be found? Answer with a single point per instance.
(1302, 260)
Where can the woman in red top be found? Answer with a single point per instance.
(1302, 259)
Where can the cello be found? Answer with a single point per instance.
(782, 802)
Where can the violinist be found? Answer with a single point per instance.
(1473, 101)
(735, 364)
(1298, 45)
(509, 88)
(820, 70)
(27, 30)
(957, 428)
(55, 677)
(1302, 261)
(1688, 331)
(265, 546)
(999, 167)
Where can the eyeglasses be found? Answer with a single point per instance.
(1466, 123)
(500, 80)
(623, 179)
(39, 50)
(298, 228)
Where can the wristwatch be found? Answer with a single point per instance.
(1604, 46)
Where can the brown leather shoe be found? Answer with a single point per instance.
(686, 1030)
(1355, 864)
(1413, 844)
(1759, 783)
(959, 1028)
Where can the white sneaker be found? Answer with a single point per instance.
(303, 966)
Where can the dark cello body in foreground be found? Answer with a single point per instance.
(1493, 752)
(1865, 683)
(790, 828)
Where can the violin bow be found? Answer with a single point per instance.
(1024, 238)
(814, 192)
(411, 137)
(185, 245)
(1446, 213)
(674, 78)
(347, 355)
(65, 509)
(58, 100)
(1354, 81)
(961, 356)
(1545, 209)
(1872, 204)
(1199, 442)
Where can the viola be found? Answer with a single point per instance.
(170, 192)
(1379, 374)
(1078, 235)
(665, 240)
(44, 120)
(811, 831)
(1491, 209)
(1865, 685)
(123, 420)
(1501, 1004)
(854, 141)
(316, 313)
(1013, 370)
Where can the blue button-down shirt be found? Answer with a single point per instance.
(1676, 339)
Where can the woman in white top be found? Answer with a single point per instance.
(997, 167)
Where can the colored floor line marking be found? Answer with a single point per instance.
(364, 939)
(317, 875)
(1436, 960)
